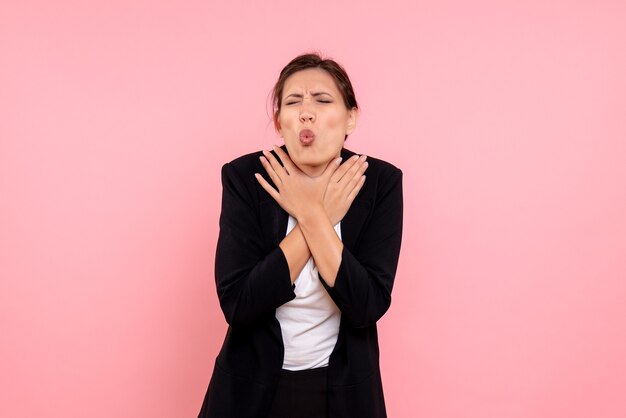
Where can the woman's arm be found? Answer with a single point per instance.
(323, 242)
(296, 251)
(364, 280)
(315, 233)
(360, 283)
(250, 283)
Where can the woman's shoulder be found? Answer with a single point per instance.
(378, 164)
(246, 161)
(381, 177)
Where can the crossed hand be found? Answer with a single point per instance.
(298, 193)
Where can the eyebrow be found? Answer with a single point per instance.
(299, 96)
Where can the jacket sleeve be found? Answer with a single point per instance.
(364, 281)
(250, 282)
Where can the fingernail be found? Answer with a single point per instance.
(363, 157)
(338, 160)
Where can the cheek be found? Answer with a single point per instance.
(286, 120)
(336, 120)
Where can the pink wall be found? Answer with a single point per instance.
(508, 120)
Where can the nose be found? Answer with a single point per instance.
(307, 115)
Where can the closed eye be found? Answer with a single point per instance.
(320, 101)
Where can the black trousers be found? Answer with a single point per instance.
(300, 394)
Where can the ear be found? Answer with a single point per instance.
(277, 124)
(353, 115)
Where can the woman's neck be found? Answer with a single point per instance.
(313, 171)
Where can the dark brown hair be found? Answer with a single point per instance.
(313, 60)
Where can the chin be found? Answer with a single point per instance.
(314, 159)
(308, 162)
(310, 157)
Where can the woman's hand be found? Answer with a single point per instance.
(345, 183)
(335, 189)
(297, 193)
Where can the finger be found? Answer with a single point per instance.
(278, 169)
(355, 191)
(352, 183)
(284, 158)
(269, 189)
(270, 171)
(343, 168)
(353, 171)
(332, 166)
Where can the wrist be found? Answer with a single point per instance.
(312, 214)
(329, 213)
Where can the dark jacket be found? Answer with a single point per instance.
(252, 280)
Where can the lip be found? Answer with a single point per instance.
(306, 132)
(307, 137)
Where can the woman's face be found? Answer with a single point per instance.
(313, 120)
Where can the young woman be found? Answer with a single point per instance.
(306, 260)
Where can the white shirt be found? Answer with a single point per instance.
(310, 322)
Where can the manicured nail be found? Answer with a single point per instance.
(338, 161)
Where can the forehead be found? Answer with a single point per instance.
(310, 79)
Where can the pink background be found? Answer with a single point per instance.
(508, 120)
